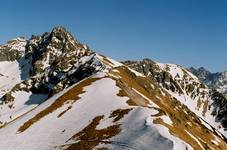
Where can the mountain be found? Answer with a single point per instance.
(216, 81)
(57, 93)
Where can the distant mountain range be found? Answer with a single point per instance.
(216, 81)
(58, 94)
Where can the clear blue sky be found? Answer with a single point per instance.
(186, 32)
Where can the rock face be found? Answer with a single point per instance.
(216, 81)
(56, 49)
(54, 57)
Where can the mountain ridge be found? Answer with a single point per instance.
(187, 88)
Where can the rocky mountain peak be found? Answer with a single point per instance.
(61, 34)
(51, 62)
(57, 48)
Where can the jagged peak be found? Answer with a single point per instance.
(59, 30)
(61, 33)
(59, 41)
(57, 47)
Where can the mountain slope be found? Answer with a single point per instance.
(186, 88)
(78, 99)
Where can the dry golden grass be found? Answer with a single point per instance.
(90, 137)
(130, 81)
(122, 93)
(72, 95)
(119, 114)
(106, 61)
